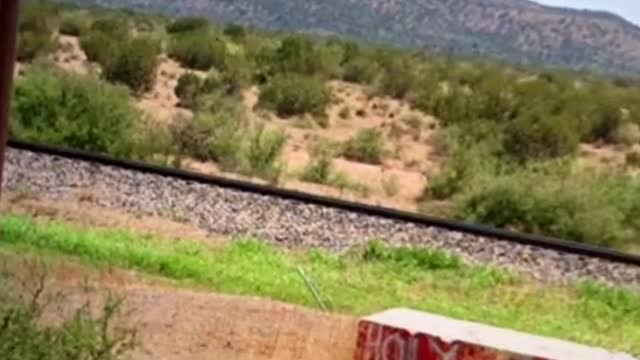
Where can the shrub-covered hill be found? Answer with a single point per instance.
(548, 152)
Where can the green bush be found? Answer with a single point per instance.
(117, 28)
(580, 207)
(99, 47)
(134, 64)
(235, 32)
(534, 135)
(187, 24)
(217, 137)
(360, 70)
(236, 75)
(398, 78)
(33, 44)
(75, 111)
(73, 25)
(37, 24)
(296, 54)
(39, 17)
(366, 146)
(198, 50)
(188, 89)
(263, 153)
(319, 170)
(295, 95)
(83, 335)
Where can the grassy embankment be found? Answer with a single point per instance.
(364, 281)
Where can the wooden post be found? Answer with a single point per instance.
(9, 12)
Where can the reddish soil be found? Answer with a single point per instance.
(175, 323)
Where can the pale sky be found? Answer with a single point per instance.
(629, 9)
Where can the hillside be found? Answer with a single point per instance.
(514, 30)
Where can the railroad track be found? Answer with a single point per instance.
(292, 218)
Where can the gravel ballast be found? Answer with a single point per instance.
(286, 222)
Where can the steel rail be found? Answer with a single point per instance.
(565, 246)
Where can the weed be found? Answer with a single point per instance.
(366, 146)
(80, 336)
(263, 153)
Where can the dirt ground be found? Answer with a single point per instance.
(175, 323)
(83, 212)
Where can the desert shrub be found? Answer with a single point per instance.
(535, 135)
(361, 70)
(134, 64)
(217, 137)
(328, 61)
(397, 79)
(187, 24)
(235, 32)
(632, 158)
(263, 153)
(75, 111)
(86, 334)
(236, 75)
(188, 88)
(116, 27)
(99, 47)
(296, 54)
(604, 115)
(366, 146)
(318, 170)
(33, 44)
(627, 133)
(38, 17)
(73, 25)
(294, 95)
(472, 157)
(36, 27)
(586, 208)
(198, 50)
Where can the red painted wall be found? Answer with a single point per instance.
(378, 342)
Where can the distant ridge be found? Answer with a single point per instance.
(518, 31)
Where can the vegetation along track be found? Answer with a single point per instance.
(293, 219)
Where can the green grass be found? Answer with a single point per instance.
(364, 281)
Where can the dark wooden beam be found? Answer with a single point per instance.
(9, 11)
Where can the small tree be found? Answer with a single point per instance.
(188, 88)
(536, 136)
(134, 64)
(198, 50)
(294, 95)
(99, 47)
(73, 26)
